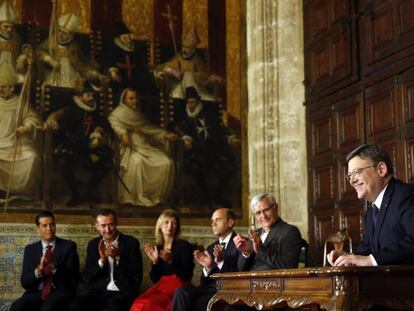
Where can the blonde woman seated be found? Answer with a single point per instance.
(172, 264)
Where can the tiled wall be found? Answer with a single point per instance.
(14, 237)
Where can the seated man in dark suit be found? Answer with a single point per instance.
(276, 245)
(388, 226)
(50, 269)
(113, 268)
(221, 256)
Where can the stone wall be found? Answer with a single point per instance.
(276, 115)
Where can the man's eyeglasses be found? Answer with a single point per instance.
(264, 211)
(357, 172)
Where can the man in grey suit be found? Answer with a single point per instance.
(276, 245)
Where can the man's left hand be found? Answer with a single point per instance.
(218, 253)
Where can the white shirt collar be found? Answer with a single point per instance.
(45, 244)
(226, 239)
(378, 200)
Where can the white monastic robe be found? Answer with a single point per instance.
(26, 171)
(146, 170)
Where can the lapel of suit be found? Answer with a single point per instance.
(382, 212)
(272, 233)
(230, 247)
(38, 252)
(57, 252)
(121, 249)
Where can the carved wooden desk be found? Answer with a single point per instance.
(333, 288)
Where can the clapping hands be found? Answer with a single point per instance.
(108, 250)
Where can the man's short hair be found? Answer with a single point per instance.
(230, 214)
(105, 212)
(374, 153)
(257, 198)
(43, 214)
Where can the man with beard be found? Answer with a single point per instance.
(80, 141)
(16, 132)
(188, 70)
(208, 154)
(66, 63)
(144, 167)
(9, 41)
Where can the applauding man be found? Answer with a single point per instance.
(113, 268)
(276, 245)
(221, 256)
(50, 269)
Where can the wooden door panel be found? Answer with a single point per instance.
(346, 191)
(352, 218)
(387, 34)
(321, 64)
(340, 10)
(341, 55)
(383, 111)
(350, 122)
(330, 41)
(406, 16)
(409, 160)
(323, 129)
(319, 15)
(324, 225)
(324, 186)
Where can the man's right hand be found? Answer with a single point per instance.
(255, 238)
(102, 251)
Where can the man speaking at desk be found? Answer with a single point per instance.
(389, 221)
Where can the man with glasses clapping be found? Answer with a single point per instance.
(276, 245)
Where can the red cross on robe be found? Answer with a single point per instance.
(127, 65)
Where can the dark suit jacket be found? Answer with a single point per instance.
(127, 273)
(182, 263)
(392, 239)
(65, 259)
(281, 249)
(230, 255)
